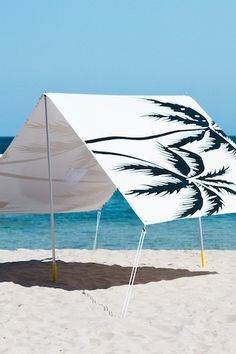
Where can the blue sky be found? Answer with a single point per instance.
(118, 47)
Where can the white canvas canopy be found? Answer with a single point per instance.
(164, 153)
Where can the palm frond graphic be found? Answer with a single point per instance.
(209, 187)
(215, 136)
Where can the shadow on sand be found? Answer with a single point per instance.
(85, 276)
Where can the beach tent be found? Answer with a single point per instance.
(163, 153)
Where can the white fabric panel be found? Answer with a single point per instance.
(79, 183)
(164, 153)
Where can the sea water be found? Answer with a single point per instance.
(119, 229)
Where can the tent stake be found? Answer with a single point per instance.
(97, 227)
(133, 273)
(52, 223)
(201, 241)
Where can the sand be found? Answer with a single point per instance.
(175, 308)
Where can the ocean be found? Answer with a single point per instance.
(119, 229)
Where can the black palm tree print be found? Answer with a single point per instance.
(166, 182)
(186, 170)
(189, 116)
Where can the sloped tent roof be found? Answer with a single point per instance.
(164, 153)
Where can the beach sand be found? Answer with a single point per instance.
(175, 308)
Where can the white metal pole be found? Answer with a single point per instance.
(52, 223)
(97, 227)
(201, 241)
(133, 273)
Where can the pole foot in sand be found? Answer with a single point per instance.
(54, 271)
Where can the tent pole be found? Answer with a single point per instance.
(133, 273)
(201, 241)
(52, 223)
(97, 227)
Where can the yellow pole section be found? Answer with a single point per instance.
(202, 258)
(54, 271)
(201, 242)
